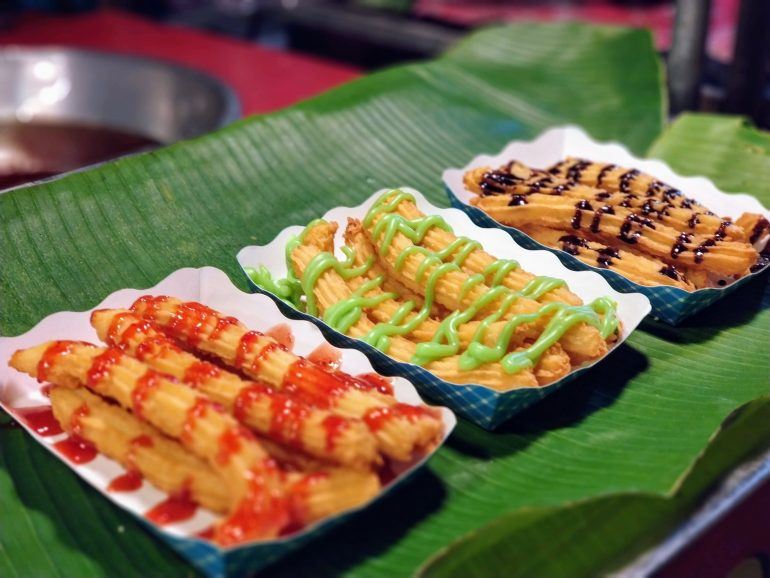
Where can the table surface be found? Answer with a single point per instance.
(266, 80)
(263, 78)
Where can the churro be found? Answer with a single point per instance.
(399, 429)
(411, 288)
(250, 474)
(271, 456)
(286, 419)
(621, 219)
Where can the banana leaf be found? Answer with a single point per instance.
(633, 427)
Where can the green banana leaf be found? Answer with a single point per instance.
(633, 427)
(594, 536)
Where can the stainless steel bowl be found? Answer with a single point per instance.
(158, 100)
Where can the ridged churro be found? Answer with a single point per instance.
(331, 289)
(285, 418)
(637, 268)
(139, 447)
(400, 429)
(607, 214)
(259, 509)
(142, 449)
(411, 288)
(270, 458)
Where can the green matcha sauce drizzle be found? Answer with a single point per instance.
(344, 314)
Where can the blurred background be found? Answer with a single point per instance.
(187, 67)
(712, 42)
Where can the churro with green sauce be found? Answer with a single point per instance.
(487, 320)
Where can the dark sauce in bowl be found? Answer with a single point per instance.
(32, 151)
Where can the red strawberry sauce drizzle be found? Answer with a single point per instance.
(149, 341)
(282, 334)
(231, 441)
(260, 512)
(113, 332)
(52, 353)
(300, 494)
(76, 450)
(144, 387)
(131, 480)
(101, 365)
(376, 382)
(327, 356)
(198, 409)
(379, 417)
(335, 427)
(200, 371)
(40, 419)
(74, 447)
(175, 508)
(150, 305)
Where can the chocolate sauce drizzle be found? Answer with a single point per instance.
(679, 245)
(598, 213)
(540, 183)
(702, 249)
(581, 206)
(759, 227)
(649, 208)
(653, 188)
(571, 244)
(671, 272)
(603, 173)
(627, 225)
(605, 257)
(626, 179)
(720, 232)
(672, 193)
(556, 169)
(494, 182)
(576, 170)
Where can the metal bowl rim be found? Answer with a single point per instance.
(232, 107)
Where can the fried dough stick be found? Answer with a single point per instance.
(448, 288)
(260, 509)
(364, 251)
(332, 288)
(515, 180)
(554, 364)
(637, 268)
(400, 429)
(757, 229)
(139, 447)
(282, 417)
(478, 260)
(317, 495)
(581, 342)
(163, 462)
(724, 257)
(618, 179)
